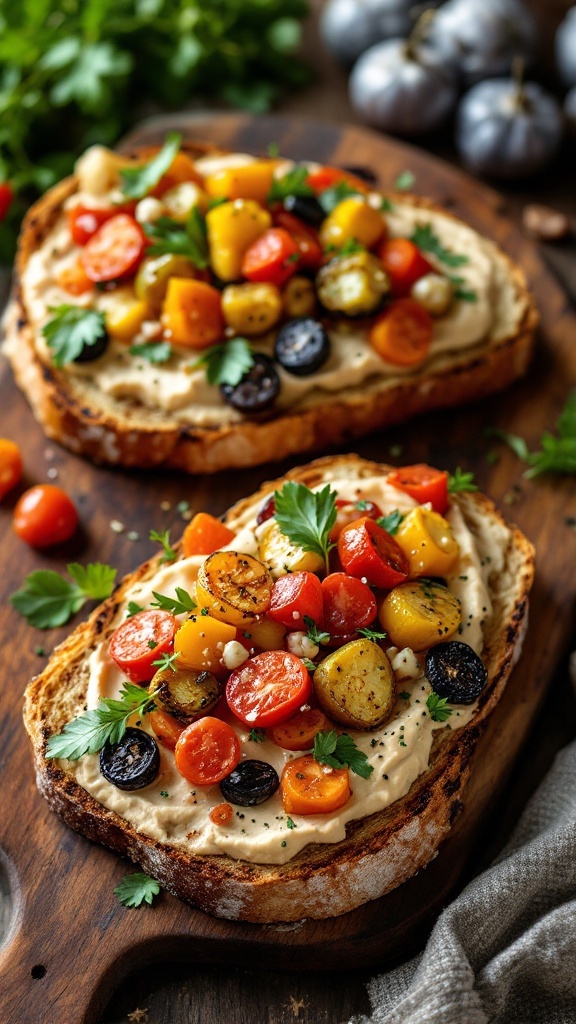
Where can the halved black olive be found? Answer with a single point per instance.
(302, 346)
(251, 782)
(94, 351)
(258, 388)
(185, 693)
(132, 763)
(456, 672)
(307, 208)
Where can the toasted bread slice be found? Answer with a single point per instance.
(324, 879)
(122, 431)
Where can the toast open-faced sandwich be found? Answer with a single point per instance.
(202, 309)
(299, 717)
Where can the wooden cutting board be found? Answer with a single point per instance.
(68, 942)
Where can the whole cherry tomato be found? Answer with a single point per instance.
(349, 604)
(45, 515)
(267, 689)
(404, 264)
(115, 250)
(423, 483)
(273, 257)
(349, 511)
(140, 641)
(294, 596)
(369, 552)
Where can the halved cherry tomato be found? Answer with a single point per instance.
(6, 197)
(166, 727)
(205, 534)
(221, 814)
(309, 787)
(368, 552)
(348, 605)
(84, 222)
(403, 333)
(207, 751)
(423, 483)
(45, 515)
(273, 257)
(140, 641)
(295, 595)
(299, 731)
(311, 252)
(74, 279)
(327, 177)
(349, 511)
(268, 689)
(10, 465)
(404, 264)
(115, 250)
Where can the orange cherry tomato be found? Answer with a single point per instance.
(140, 641)
(115, 250)
(10, 465)
(268, 688)
(45, 515)
(299, 731)
(6, 197)
(403, 333)
(273, 257)
(348, 511)
(221, 814)
(368, 552)
(74, 279)
(207, 751)
(327, 177)
(404, 264)
(349, 604)
(166, 728)
(205, 534)
(294, 596)
(311, 252)
(309, 787)
(423, 483)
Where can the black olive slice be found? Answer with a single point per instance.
(307, 208)
(302, 346)
(132, 763)
(456, 672)
(251, 782)
(185, 693)
(258, 388)
(90, 352)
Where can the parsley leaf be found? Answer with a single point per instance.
(91, 731)
(257, 735)
(169, 237)
(154, 351)
(309, 664)
(436, 705)
(460, 481)
(71, 330)
(558, 454)
(170, 553)
(177, 605)
(427, 240)
(133, 609)
(290, 823)
(371, 634)
(294, 183)
(227, 363)
(314, 634)
(330, 198)
(137, 182)
(136, 889)
(339, 752)
(391, 522)
(47, 599)
(306, 517)
(404, 181)
(167, 661)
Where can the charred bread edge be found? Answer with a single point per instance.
(323, 880)
(116, 431)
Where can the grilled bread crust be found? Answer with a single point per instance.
(121, 431)
(324, 880)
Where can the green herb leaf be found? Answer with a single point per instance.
(154, 351)
(227, 363)
(308, 664)
(289, 823)
(404, 181)
(339, 752)
(133, 609)
(167, 661)
(294, 183)
(460, 481)
(136, 889)
(257, 735)
(427, 240)
(437, 706)
(557, 454)
(386, 205)
(391, 522)
(306, 517)
(273, 149)
(170, 553)
(177, 605)
(171, 238)
(372, 634)
(404, 695)
(314, 634)
(71, 330)
(137, 182)
(47, 599)
(330, 198)
(91, 731)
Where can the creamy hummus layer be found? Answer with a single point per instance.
(178, 388)
(173, 811)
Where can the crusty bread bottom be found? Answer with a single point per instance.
(323, 880)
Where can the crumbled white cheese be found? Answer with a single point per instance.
(234, 654)
(300, 644)
(405, 665)
(149, 210)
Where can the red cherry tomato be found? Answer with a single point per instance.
(140, 641)
(207, 751)
(294, 596)
(6, 197)
(268, 689)
(348, 605)
(311, 252)
(115, 250)
(423, 483)
(273, 257)
(327, 177)
(369, 552)
(404, 264)
(45, 515)
(84, 222)
(349, 511)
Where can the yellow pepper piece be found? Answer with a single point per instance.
(124, 313)
(251, 181)
(282, 556)
(352, 218)
(427, 540)
(192, 313)
(419, 614)
(200, 642)
(232, 227)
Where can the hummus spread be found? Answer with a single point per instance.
(173, 811)
(180, 388)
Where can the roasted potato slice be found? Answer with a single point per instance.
(282, 556)
(235, 588)
(184, 693)
(356, 685)
(420, 614)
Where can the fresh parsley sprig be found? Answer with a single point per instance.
(136, 889)
(167, 661)
(170, 553)
(91, 731)
(137, 182)
(293, 183)
(257, 735)
(177, 605)
(427, 240)
(391, 522)
(154, 352)
(72, 329)
(228, 362)
(330, 198)
(557, 454)
(133, 609)
(459, 482)
(341, 752)
(47, 599)
(437, 706)
(169, 237)
(372, 634)
(306, 517)
(317, 636)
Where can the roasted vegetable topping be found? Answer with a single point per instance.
(456, 672)
(184, 693)
(354, 284)
(133, 762)
(258, 388)
(302, 346)
(252, 782)
(356, 685)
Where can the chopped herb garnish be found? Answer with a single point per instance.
(294, 183)
(47, 599)
(404, 181)
(317, 636)
(40, 652)
(170, 553)
(306, 517)
(459, 481)
(133, 608)
(72, 329)
(391, 522)
(257, 735)
(164, 793)
(427, 240)
(169, 237)
(330, 198)
(371, 634)
(308, 664)
(152, 644)
(167, 661)
(177, 605)
(557, 454)
(340, 752)
(136, 889)
(273, 149)
(228, 362)
(290, 823)
(154, 351)
(404, 695)
(91, 731)
(437, 706)
(137, 182)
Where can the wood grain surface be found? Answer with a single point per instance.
(69, 943)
